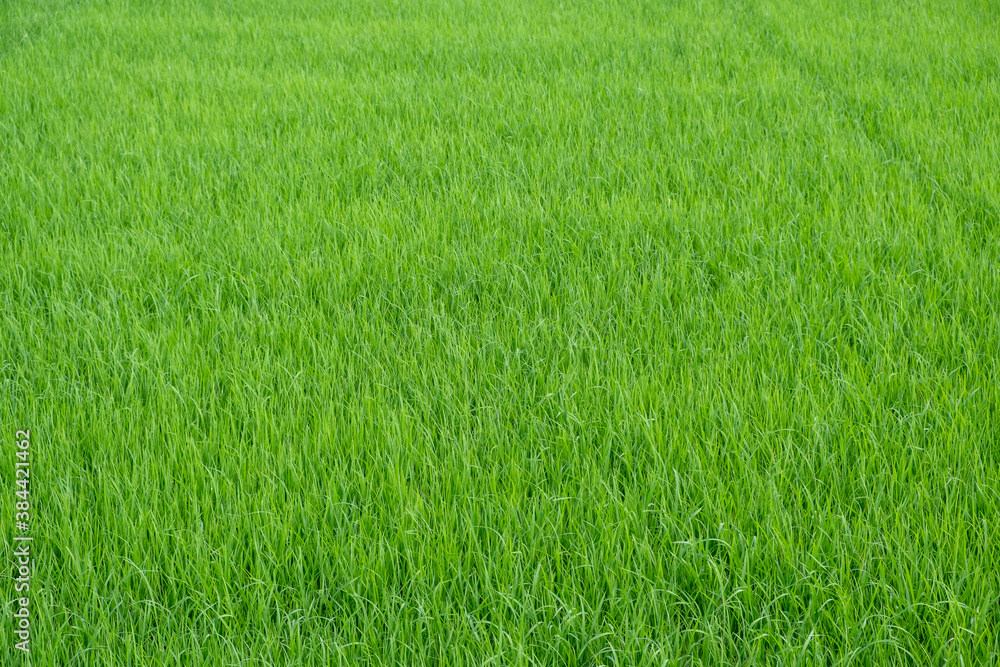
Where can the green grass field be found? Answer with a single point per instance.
(508, 333)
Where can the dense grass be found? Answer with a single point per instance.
(511, 333)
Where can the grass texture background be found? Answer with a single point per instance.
(511, 333)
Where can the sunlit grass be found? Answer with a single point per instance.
(511, 333)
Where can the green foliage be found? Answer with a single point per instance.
(504, 333)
